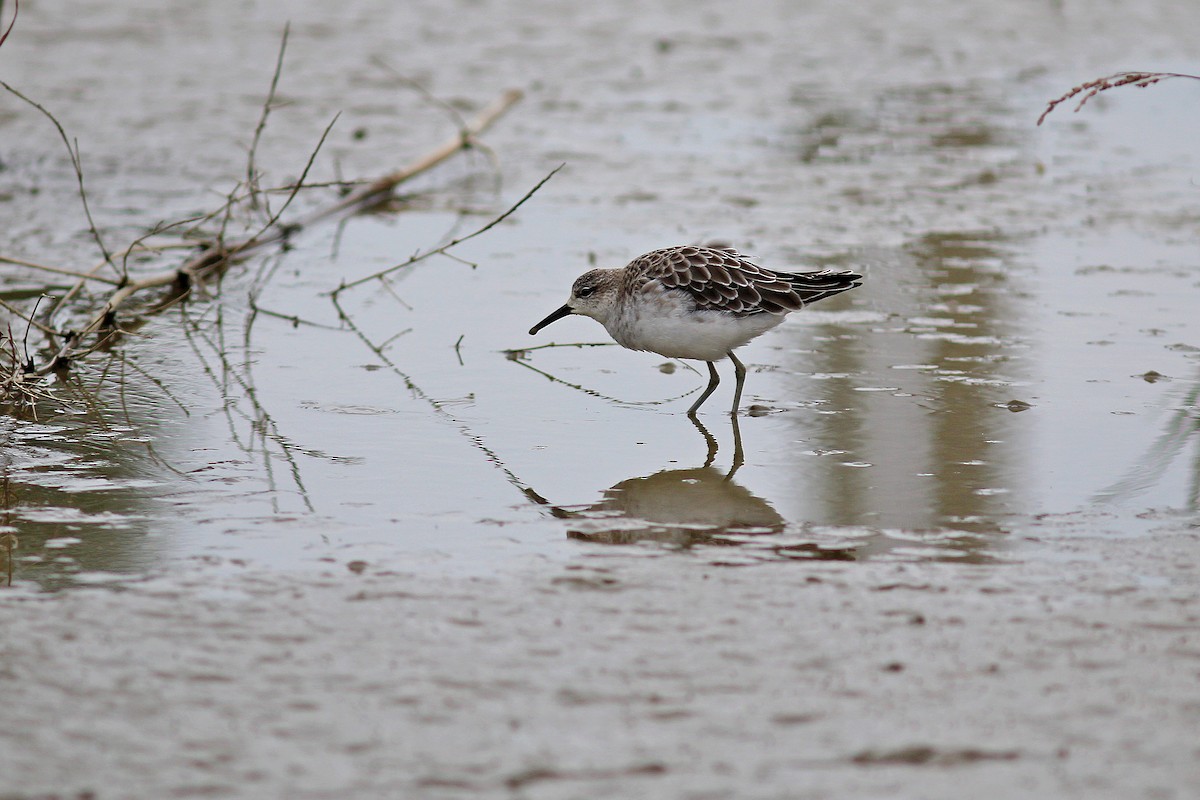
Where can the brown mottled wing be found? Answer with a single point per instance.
(722, 279)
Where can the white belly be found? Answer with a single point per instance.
(675, 332)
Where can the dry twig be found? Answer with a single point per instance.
(76, 162)
(12, 22)
(1094, 87)
(268, 104)
(216, 256)
(424, 254)
(99, 326)
(58, 270)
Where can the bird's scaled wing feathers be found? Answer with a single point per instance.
(725, 280)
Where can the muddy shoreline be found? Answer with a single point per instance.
(621, 677)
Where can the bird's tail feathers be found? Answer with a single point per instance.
(814, 286)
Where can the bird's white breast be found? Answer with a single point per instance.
(667, 322)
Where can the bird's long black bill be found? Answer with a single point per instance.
(559, 314)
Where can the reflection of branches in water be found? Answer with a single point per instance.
(295, 319)
(381, 277)
(263, 430)
(263, 423)
(439, 407)
(8, 536)
(126, 363)
(238, 378)
(518, 356)
(1183, 424)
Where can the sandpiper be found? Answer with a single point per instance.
(695, 302)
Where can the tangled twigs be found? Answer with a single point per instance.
(18, 385)
(217, 255)
(1095, 87)
(96, 326)
(220, 253)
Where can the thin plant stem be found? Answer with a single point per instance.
(12, 22)
(1094, 87)
(268, 104)
(421, 256)
(76, 162)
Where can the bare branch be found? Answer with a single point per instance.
(11, 23)
(299, 183)
(99, 327)
(58, 270)
(383, 187)
(137, 243)
(217, 256)
(1094, 87)
(29, 318)
(251, 172)
(365, 195)
(421, 256)
(76, 162)
(429, 96)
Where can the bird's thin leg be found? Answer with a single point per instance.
(739, 371)
(739, 455)
(708, 440)
(713, 380)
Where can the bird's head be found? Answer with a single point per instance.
(594, 294)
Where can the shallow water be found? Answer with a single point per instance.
(1050, 266)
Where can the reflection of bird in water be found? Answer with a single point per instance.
(683, 507)
(688, 507)
(704, 506)
(700, 506)
(695, 302)
(678, 506)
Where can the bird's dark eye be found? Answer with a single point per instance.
(585, 291)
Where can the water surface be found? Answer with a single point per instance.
(1024, 344)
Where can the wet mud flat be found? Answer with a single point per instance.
(388, 549)
(1065, 675)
